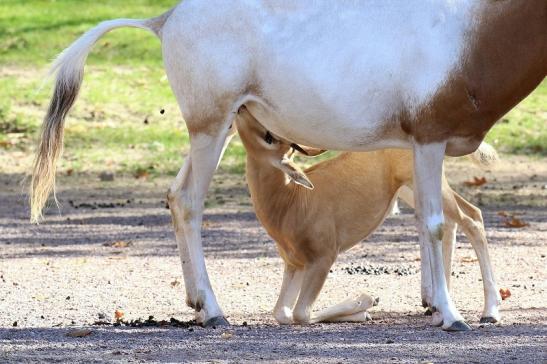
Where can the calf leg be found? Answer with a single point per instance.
(449, 244)
(290, 288)
(473, 227)
(350, 310)
(428, 164)
(315, 275)
(406, 194)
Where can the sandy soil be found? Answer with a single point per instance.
(65, 274)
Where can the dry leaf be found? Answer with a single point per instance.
(175, 283)
(505, 293)
(227, 335)
(118, 244)
(79, 333)
(469, 260)
(141, 174)
(118, 315)
(514, 222)
(476, 182)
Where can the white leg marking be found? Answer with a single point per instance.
(290, 288)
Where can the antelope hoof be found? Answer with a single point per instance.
(458, 326)
(488, 320)
(216, 322)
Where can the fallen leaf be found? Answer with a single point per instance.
(514, 222)
(118, 315)
(175, 283)
(476, 182)
(468, 260)
(141, 174)
(227, 335)
(505, 293)
(79, 333)
(118, 244)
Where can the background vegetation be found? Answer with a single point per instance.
(126, 119)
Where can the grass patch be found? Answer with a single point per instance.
(524, 129)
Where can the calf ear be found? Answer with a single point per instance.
(310, 152)
(295, 173)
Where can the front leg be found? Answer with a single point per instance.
(315, 274)
(428, 168)
(290, 288)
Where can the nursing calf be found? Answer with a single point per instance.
(352, 194)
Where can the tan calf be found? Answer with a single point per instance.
(314, 215)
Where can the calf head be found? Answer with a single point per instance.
(269, 150)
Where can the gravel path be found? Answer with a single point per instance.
(112, 248)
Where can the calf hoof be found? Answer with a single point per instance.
(216, 322)
(458, 326)
(376, 301)
(428, 312)
(436, 319)
(488, 320)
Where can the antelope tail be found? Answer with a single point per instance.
(69, 69)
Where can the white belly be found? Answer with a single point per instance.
(331, 72)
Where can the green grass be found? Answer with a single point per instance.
(524, 129)
(125, 85)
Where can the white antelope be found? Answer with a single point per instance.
(428, 75)
(342, 201)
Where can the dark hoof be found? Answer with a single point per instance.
(428, 312)
(376, 301)
(216, 322)
(458, 326)
(425, 304)
(488, 320)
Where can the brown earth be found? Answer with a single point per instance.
(70, 272)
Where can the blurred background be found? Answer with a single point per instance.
(126, 120)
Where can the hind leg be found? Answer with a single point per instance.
(186, 199)
(177, 215)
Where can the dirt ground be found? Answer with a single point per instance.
(111, 247)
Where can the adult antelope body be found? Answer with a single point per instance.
(430, 75)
